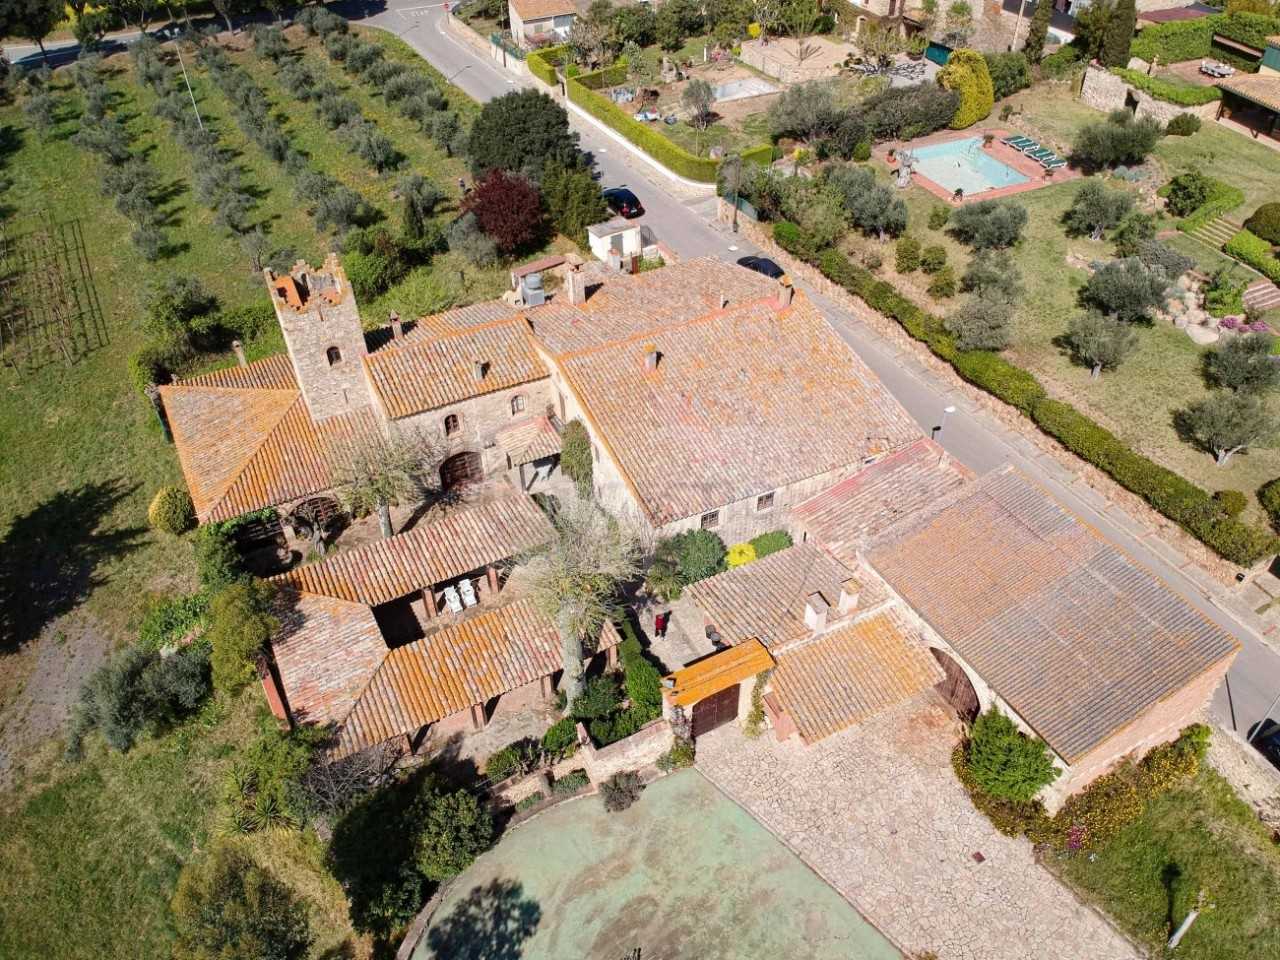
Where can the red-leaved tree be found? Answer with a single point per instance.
(508, 209)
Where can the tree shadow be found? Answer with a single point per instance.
(1170, 874)
(49, 557)
(491, 923)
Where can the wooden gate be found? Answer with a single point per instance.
(955, 687)
(715, 711)
(461, 468)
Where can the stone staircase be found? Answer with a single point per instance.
(1216, 232)
(1262, 295)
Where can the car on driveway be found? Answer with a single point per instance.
(762, 265)
(1266, 740)
(623, 203)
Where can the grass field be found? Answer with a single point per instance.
(89, 852)
(1198, 838)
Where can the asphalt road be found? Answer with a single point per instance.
(687, 225)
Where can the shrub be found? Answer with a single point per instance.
(453, 829)
(227, 906)
(872, 260)
(904, 113)
(933, 259)
(861, 151)
(791, 239)
(1187, 191)
(753, 726)
(1218, 198)
(943, 284)
(771, 542)
(1224, 295)
(147, 367)
(1135, 230)
(166, 622)
(966, 73)
(640, 678)
(1265, 222)
(701, 554)
(512, 759)
(174, 305)
(1269, 497)
(1009, 73)
(1010, 817)
(1006, 763)
(240, 626)
(1184, 124)
(1118, 139)
(1244, 363)
(575, 456)
(1233, 502)
(907, 255)
(600, 697)
(989, 224)
(739, 554)
(370, 273)
(938, 216)
(262, 789)
(561, 738)
(217, 561)
(571, 782)
(680, 755)
(981, 324)
(1157, 255)
(1256, 252)
(532, 800)
(621, 790)
(171, 511)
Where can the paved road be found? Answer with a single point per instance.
(970, 435)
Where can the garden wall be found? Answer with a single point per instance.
(485, 47)
(1105, 91)
(640, 749)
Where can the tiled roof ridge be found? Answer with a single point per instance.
(911, 524)
(715, 313)
(393, 346)
(885, 607)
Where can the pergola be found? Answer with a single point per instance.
(1252, 100)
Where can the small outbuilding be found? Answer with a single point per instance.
(536, 21)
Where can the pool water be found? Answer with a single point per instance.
(962, 165)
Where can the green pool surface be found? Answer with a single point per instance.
(685, 872)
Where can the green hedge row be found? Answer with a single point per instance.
(543, 62)
(609, 76)
(1223, 197)
(1169, 92)
(675, 159)
(1193, 39)
(1247, 247)
(1192, 508)
(762, 154)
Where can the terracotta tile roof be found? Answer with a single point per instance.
(620, 306)
(424, 374)
(1078, 638)
(1259, 88)
(846, 516)
(325, 652)
(743, 401)
(528, 440)
(483, 656)
(245, 439)
(541, 9)
(465, 539)
(842, 677)
(442, 324)
(717, 672)
(766, 599)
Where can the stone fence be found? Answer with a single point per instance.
(1104, 91)
(485, 47)
(640, 749)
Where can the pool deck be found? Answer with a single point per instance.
(1038, 176)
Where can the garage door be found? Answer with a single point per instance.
(461, 468)
(715, 711)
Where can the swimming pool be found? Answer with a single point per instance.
(962, 165)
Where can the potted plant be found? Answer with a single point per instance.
(892, 151)
(917, 43)
(987, 139)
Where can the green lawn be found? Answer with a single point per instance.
(1198, 838)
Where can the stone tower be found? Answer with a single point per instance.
(321, 325)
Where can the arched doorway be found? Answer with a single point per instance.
(955, 687)
(460, 469)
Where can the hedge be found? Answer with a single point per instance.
(1193, 39)
(543, 62)
(609, 76)
(674, 158)
(1222, 198)
(1177, 498)
(1167, 91)
(1256, 252)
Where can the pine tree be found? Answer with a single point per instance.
(1115, 45)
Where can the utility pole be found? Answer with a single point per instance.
(737, 182)
(177, 45)
(1017, 24)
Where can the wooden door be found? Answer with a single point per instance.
(461, 468)
(955, 687)
(715, 711)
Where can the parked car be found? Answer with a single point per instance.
(623, 202)
(762, 265)
(1267, 742)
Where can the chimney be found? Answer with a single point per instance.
(397, 328)
(815, 612)
(849, 591)
(651, 356)
(238, 347)
(577, 285)
(785, 292)
(724, 301)
(477, 369)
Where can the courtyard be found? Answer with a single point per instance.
(685, 872)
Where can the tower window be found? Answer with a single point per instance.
(517, 404)
(334, 355)
(450, 424)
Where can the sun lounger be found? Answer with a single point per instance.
(1053, 164)
(468, 592)
(1042, 154)
(452, 600)
(1030, 147)
(1017, 141)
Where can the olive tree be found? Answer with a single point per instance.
(1127, 289)
(1245, 363)
(575, 578)
(1096, 209)
(1100, 342)
(1226, 423)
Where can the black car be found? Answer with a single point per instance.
(762, 265)
(1266, 741)
(623, 202)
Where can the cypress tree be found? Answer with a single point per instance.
(1115, 45)
(1038, 31)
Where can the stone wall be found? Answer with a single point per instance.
(640, 749)
(1104, 91)
(780, 65)
(485, 48)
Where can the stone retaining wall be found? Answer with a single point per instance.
(1104, 91)
(640, 749)
(483, 47)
